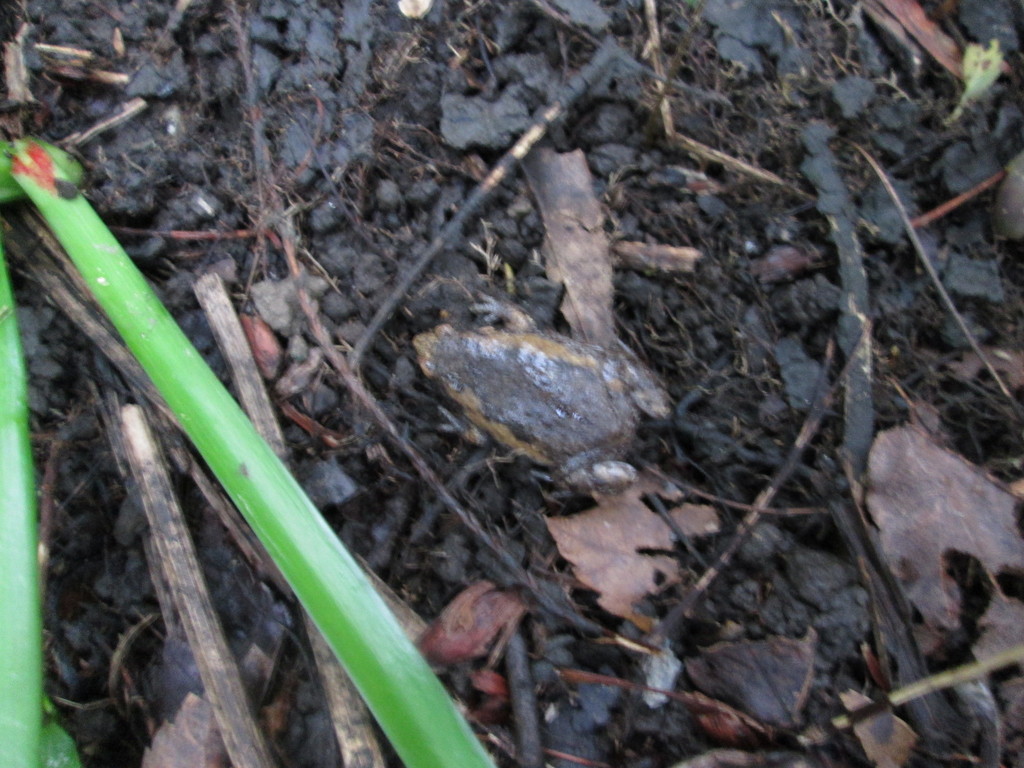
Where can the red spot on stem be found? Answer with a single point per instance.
(35, 163)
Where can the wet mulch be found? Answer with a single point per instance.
(367, 132)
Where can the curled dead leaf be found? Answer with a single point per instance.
(266, 349)
(470, 624)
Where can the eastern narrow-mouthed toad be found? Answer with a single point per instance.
(565, 404)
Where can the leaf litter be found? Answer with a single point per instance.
(621, 549)
(766, 679)
(930, 503)
(886, 739)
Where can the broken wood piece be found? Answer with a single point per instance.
(643, 257)
(231, 340)
(48, 267)
(350, 717)
(128, 110)
(575, 245)
(15, 69)
(349, 714)
(180, 566)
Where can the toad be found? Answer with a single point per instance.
(562, 403)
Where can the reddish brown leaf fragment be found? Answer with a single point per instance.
(490, 682)
(266, 349)
(470, 623)
(494, 703)
(726, 725)
(876, 671)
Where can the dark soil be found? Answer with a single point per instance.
(376, 129)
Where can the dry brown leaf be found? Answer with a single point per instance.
(1002, 626)
(928, 502)
(767, 679)
(191, 740)
(492, 707)
(470, 623)
(886, 740)
(605, 545)
(1009, 364)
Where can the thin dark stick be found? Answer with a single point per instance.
(524, 703)
(684, 608)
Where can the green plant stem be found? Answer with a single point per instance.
(10, 190)
(21, 666)
(405, 696)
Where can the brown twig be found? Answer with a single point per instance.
(529, 749)
(710, 154)
(819, 408)
(179, 566)
(127, 111)
(657, 63)
(188, 234)
(950, 205)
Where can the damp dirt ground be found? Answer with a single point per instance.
(367, 132)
